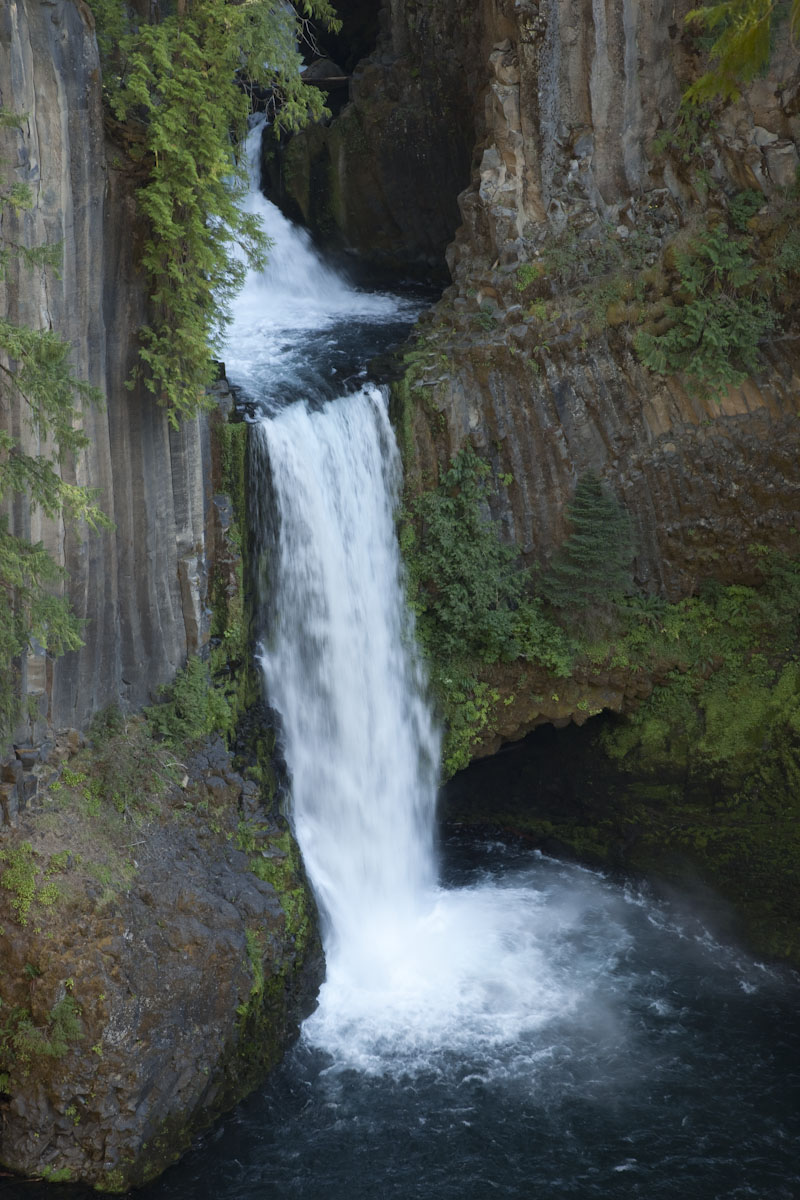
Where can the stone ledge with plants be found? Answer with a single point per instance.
(158, 937)
(153, 970)
(697, 772)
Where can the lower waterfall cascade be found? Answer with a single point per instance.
(493, 1021)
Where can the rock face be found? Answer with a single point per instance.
(142, 586)
(161, 978)
(569, 107)
(383, 178)
(157, 936)
(540, 371)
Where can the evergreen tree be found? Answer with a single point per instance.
(36, 380)
(592, 567)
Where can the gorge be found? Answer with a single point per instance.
(491, 1028)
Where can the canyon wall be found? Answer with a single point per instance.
(585, 191)
(157, 936)
(581, 170)
(570, 179)
(141, 586)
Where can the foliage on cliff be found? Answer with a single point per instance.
(488, 627)
(37, 379)
(182, 89)
(743, 32)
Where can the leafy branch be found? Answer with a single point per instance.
(741, 49)
(183, 84)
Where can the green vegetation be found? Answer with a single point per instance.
(726, 656)
(56, 1174)
(280, 866)
(473, 602)
(592, 568)
(254, 942)
(715, 334)
(471, 581)
(63, 1027)
(22, 1041)
(38, 381)
(735, 687)
(30, 881)
(192, 707)
(182, 88)
(231, 660)
(742, 33)
(124, 769)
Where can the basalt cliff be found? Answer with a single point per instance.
(587, 257)
(158, 941)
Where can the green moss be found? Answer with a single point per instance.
(255, 950)
(112, 1181)
(279, 865)
(231, 666)
(29, 878)
(56, 1174)
(233, 438)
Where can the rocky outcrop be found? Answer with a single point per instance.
(155, 964)
(382, 179)
(141, 587)
(579, 162)
(703, 479)
(587, 184)
(540, 373)
(157, 936)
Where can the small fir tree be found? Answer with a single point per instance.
(592, 567)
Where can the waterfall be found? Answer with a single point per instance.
(339, 666)
(291, 321)
(417, 974)
(520, 1026)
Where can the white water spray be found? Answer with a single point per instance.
(417, 975)
(297, 295)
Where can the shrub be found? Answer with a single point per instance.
(716, 333)
(192, 707)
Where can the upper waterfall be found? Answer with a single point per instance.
(300, 326)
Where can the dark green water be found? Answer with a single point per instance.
(672, 1070)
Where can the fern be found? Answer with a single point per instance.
(742, 44)
(716, 334)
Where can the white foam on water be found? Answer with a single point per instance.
(298, 292)
(414, 971)
(495, 977)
